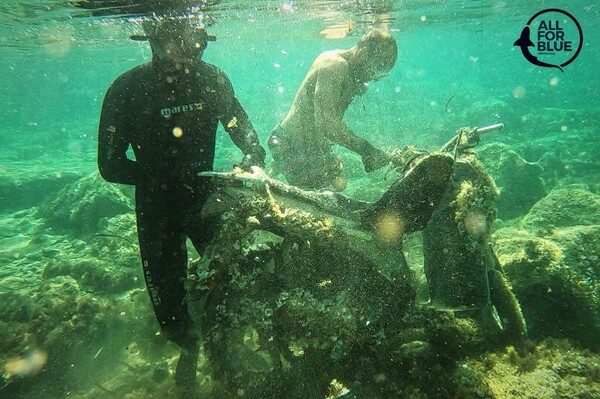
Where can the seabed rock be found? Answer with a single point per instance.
(19, 190)
(557, 281)
(550, 369)
(82, 207)
(553, 265)
(571, 205)
(110, 262)
(519, 181)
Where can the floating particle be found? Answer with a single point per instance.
(324, 283)
(338, 31)
(177, 132)
(339, 183)
(29, 364)
(476, 224)
(232, 122)
(253, 220)
(519, 92)
(390, 227)
(56, 41)
(287, 7)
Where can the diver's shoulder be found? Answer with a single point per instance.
(213, 75)
(133, 76)
(330, 59)
(211, 70)
(331, 56)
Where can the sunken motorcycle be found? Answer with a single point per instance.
(309, 294)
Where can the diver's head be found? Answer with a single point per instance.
(176, 39)
(377, 52)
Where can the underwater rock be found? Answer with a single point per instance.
(570, 157)
(482, 109)
(108, 262)
(571, 205)
(548, 370)
(557, 280)
(80, 207)
(20, 191)
(53, 317)
(70, 328)
(96, 275)
(16, 310)
(519, 181)
(15, 306)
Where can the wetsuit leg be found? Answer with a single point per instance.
(164, 260)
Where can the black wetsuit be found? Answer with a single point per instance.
(169, 118)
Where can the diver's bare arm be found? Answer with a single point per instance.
(330, 107)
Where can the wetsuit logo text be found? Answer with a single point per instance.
(152, 289)
(181, 108)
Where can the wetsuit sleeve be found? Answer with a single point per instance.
(236, 122)
(113, 164)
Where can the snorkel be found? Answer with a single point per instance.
(177, 39)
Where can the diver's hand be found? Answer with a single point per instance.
(374, 158)
(254, 157)
(246, 164)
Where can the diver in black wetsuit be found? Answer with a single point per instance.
(167, 111)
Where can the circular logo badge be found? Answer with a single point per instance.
(552, 38)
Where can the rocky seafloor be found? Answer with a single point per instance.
(76, 321)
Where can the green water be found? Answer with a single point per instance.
(457, 66)
(58, 64)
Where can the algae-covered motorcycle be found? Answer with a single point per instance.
(308, 294)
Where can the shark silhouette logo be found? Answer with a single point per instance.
(555, 36)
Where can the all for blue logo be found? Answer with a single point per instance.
(558, 37)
